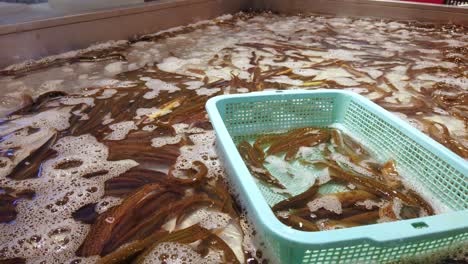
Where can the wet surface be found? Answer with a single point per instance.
(108, 154)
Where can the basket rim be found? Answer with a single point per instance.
(375, 234)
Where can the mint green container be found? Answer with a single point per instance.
(439, 171)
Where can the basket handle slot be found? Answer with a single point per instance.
(419, 225)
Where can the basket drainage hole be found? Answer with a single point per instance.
(419, 225)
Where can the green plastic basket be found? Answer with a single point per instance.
(436, 169)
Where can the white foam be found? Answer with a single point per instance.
(70, 54)
(398, 77)
(452, 42)
(370, 204)
(181, 128)
(344, 159)
(243, 90)
(89, 91)
(156, 86)
(415, 185)
(56, 119)
(60, 191)
(396, 207)
(141, 112)
(323, 177)
(114, 67)
(162, 141)
(306, 152)
(107, 119)
(121, 130)
(177, 253)
(414, 122)
(289, 63)
(241, 60)
(51, 85)
(25, 144)
(278, 164)
(344, 81)
(374, 74)
(172, 64)
(328, 202)
(77, 100)
(105, 82)
(112, 83)
(132, 66)
(15, 84)
(427, 64)
(149, 128)
(106, 203)
(340, 54)
(233, 236)
(455, 126)
(351, 46)
(194, 85)
(306, 72)
(107, 93)
(356, 90)
(286, 80)
(203, 150)
(214, 74)
(199, 23)
(207, 91)
(331, 73)
(461, 82)
(207, 218)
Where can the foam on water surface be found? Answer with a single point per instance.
(77, 101)
(121, 130)
(203, 150)
(194, 85)
(157, 86)
(142, 112)
(114, 67)
(107, 93)
(56, 119)
(177, 253)
(206, 218)
(328, 202)
(242, 90)
(25, 143)
(162, 141)
(207, 92)
(44, 227)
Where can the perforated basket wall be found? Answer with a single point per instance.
(254, 117)
(437, 170)
(421, 251)
(436, 174)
